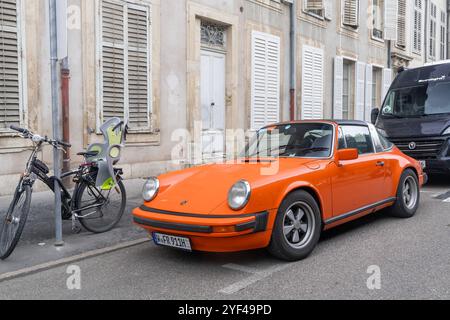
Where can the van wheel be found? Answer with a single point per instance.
(408, 196)
(297, 227)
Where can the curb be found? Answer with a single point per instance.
(63, 261)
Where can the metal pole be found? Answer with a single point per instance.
(56, 118)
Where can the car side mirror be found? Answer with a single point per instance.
(347, 155)
(374, 115)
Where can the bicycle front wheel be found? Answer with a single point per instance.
(100, 210)
(13, 222)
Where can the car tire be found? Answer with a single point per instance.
(408, 196)
(297, 228)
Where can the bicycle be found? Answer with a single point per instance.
(97, 209)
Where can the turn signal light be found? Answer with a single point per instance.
(224, 229)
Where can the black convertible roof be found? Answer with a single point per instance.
(351, 123)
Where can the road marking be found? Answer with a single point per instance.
(254, 278)
(442, 196)
(237, 267)
(61, 262)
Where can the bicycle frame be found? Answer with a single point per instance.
(80, 174)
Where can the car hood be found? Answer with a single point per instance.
(202, 189)
(414, 127)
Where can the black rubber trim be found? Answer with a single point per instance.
(196, 215)
(261, 222)
(173, 226)
(358, 211)
(246, 226)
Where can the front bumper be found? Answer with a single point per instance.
(224, 233)
(440, 165)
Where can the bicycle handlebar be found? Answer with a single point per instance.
(28, 134)
(18, 129)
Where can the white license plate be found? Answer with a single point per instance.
(172, 241)
(423, 164)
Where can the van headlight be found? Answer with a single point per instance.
(150, 189)
(239, 195)
(446, 132)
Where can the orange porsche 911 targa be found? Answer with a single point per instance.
(293, 181)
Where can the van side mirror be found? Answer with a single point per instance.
(374, 115)
(347, 155)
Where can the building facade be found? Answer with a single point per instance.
(184, 71)
(422, 33)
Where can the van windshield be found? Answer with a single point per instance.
(423, 100)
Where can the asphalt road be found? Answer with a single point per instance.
(412, 255)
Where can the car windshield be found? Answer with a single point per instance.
(306, 140)
(418, 101)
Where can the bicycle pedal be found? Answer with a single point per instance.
(76, 230)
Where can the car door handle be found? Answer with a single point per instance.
(380, 164)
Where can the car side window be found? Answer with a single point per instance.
(376, 139)
(342, 144)
(387, 145)
(358, 137)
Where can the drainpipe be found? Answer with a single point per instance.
(65, 79)
(426, 33)
(292, 57)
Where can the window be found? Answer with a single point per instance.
(401, 24)
(358, 137)
(347, 85)
(387, 145)
(312, 83)
(443, 38)
(265, 93)
(11, 86)
(318, 8)
(125, 75)
(375, 139)
(378, 19)
(419, 101)
(432, 45)
(376, 87)
(417, 32)
(350, 13)
(306, 140)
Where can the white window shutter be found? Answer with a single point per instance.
(312, 83)
(10, 77)
(113, 60)
(359, 90)
(351, 13)
(125, 63)
(390, 19)
(138, 67)
(401, 27)
(369, 92)
(418, 22)
(265, 95)
(387, 81)
(328, 9)
(338, 87)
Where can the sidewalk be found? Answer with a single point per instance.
(36, 246)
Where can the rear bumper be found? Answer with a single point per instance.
(423, 179)
(209, 233)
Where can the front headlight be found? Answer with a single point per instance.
(446, 132)
(150, 190)
(239, 195)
